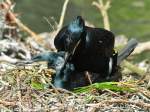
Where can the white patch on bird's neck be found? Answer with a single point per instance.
(110, 65)
(73, 27)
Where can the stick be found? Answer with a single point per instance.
(144, 46)
(103, 8)
(36, 37)
(7, 103)
(62, 15)
(140, 104)
(19, 91)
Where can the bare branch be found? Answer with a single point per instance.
(62, 14)
(7, 103)
(140, 104)
(103, 9)
(145, 46)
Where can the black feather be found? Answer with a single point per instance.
(93, 51)
(56, 61)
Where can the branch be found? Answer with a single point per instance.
(103, 9)
(145, 46)
(139, 104)
(36, 37)
(5, 58)
(62, 15)
(19, 91)
(6, 103)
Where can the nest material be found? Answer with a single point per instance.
(26, 90)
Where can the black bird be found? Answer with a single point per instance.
(55, 60)
(68, 77)
(82, 48)
(90, 48)
(69, 36)
(63, 70)
(79, 79)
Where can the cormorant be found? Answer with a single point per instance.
(68, 37)
(90, 48)
(56, 61)
(82, 48)
(67, 77)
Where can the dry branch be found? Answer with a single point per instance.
(5, 58)
(140, 104)
(7, 103)
(37, 38)
(62, 15)
(103, 8)
(19, 91)
(145, 46)
(2, 22)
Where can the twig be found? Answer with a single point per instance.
(37, 38)
(62, 15)
(144, 97)
(145, 46)
(142, 78)
(29, 92)
(133, 68)
(69, 92)
(140, 104)
(53, 87)
(113, 92)
(19, 92)
(103, 8)
(2, 21)
(53, 28)
(7, 103)
(5, 58)
(88, 77)
(57, 92)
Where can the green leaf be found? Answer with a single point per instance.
(37, 85)
(114, 86)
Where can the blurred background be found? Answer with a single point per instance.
(128, 17)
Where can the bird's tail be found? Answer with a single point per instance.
(127, 50)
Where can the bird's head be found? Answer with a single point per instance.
(62, 77)
(55, 60)
(42, 57)
(77, 25)
(75, 30)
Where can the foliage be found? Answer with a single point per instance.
(114, 86)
